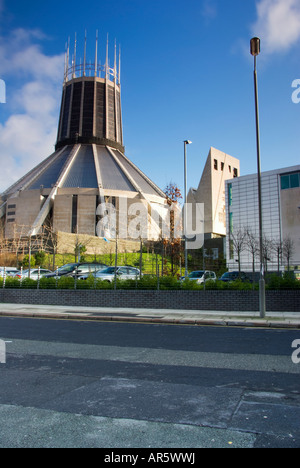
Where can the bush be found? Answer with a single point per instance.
(25, 261)
(28, 283)
(11, 283)
(66, 282)
(287, 282)
(48, 283)
(169, 282)
(189, 285)
(150, 282)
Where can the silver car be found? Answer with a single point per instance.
(121, 272)
(34, 273)
(9, 271)
(201, 276)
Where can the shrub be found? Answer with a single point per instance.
(48, 283)
(287, 282)
(11, 283)
(66, 282)
(150, 282)
(28, 283)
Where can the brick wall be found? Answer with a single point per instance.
(276, 301)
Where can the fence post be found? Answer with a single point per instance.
(4, 277)
(39, 277)
(76, 274)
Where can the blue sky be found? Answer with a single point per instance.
(186, 74)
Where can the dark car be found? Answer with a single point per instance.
(78, 269)
(234, 275)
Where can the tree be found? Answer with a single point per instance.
(288, 250)
(173, 195)
(239, 239)
(26, 261)
(51, 239)
(252, 245)
(40, 258)
(277, 246)
(268, 248)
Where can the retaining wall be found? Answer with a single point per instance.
(276, 301)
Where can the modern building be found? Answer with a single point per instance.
(281, 220)
(88, 167)
(211, 191)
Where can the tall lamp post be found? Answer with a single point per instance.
(186, 142)
(255, 51)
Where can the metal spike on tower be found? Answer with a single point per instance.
(91, 101)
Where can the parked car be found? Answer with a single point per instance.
(79, 269)
(10, 271)
(201, 275)
(34, 273)
(109, 273)
(233, 276)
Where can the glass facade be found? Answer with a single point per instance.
(230, 194)
(289, 181)
(280, 210)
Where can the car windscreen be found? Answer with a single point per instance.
(67, 268)
(108, 271)
(196, 274)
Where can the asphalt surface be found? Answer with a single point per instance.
(108, 384)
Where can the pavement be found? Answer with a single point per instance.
(183, 317)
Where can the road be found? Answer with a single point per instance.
(124, 385)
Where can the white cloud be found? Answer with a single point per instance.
(34, 81)
(278, 24)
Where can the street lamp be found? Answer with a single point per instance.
(186, 142)
(255, 51)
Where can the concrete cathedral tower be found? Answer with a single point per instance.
(89, 166)
(91, 103)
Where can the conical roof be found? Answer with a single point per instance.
(115, 172)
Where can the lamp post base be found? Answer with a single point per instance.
(262, 298)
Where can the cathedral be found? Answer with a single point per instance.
(89, 169)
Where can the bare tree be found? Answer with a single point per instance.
(173, 243)
(239, 239)
(288, 250)
(51, 239)
(268, 248)
(277, 247)
(252, 245)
